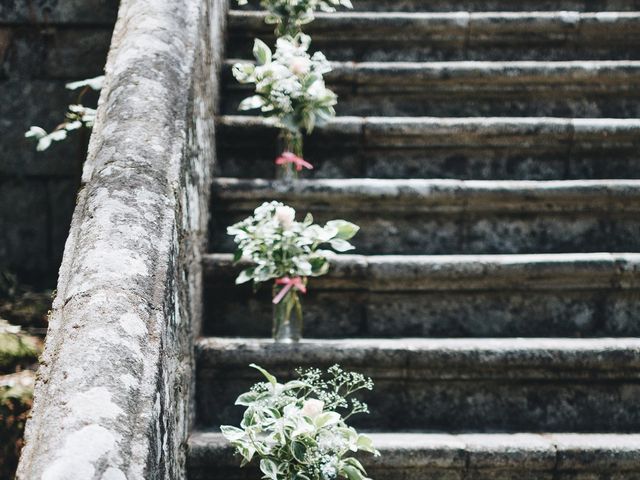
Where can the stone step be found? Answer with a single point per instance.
(568, 295)
(484, 385)
(413, 217)
(393, 36)
(481, 148)
(486, 5)
(466, 89)
(428, 456)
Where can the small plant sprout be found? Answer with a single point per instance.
(77, 116)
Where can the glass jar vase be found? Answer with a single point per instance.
(287, 315)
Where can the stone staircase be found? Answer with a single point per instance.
(489, 155)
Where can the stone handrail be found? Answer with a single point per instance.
(113, 396)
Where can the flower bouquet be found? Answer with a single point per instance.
(290, 87)
(287, 251)
(296, 430)
(289, 15)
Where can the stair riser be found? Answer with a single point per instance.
(402, 232)
(451, 50)
(453, 46)
(235, 311)
(485, 101)
(491, 5)
(478, 404)
(534, 157)
(432, 473)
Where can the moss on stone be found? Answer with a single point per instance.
(16, 349)
(16, 397)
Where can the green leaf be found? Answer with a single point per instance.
(352, 473)
(262, 52)
(272, 380)
(326, 419)
(251, 103)
(340, 245)
(298, 450)
(346, 230)
(247, 398)
(269, 468)
(35, 132)
(232, 433)
(355, 463)
(245, 276)
(237, 255)
(93, 83)
(366, 444)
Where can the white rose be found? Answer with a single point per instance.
(312, 408)
(300, 66)
(285, 216)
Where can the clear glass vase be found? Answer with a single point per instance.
(287, 316)
(289, 141)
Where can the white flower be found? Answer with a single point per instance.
(289, 84)
(300, 65)
(285, 216)
(312, 407)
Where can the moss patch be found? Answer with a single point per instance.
(16, 397)
(17, 350)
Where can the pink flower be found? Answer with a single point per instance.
(288, 157)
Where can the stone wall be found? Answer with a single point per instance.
(115, 387)
(43, 45)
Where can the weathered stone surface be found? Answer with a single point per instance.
(477, 296)
(91, 12)
(487, 5)
(579, 385)
(24, 230)
(465, 272)
(448, 216)
(114, 394)
(44, 44)
(37, 52)
(427, 456)
(460, 89)
(456, 148)
(401, 36)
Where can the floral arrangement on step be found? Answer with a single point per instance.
(289, 86)
(296, 430)
(77, 116)
(290, 15)
(288, 252)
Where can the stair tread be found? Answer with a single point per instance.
(566, 128)
(587, 271)
(477, 5)
(430, 194)
(399, 75)
(474, 450)
(458, 358)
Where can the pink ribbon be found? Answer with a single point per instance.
(288, 157)
(288, 283)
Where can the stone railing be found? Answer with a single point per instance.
(115, 386)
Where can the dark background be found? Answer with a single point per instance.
(43, 45)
